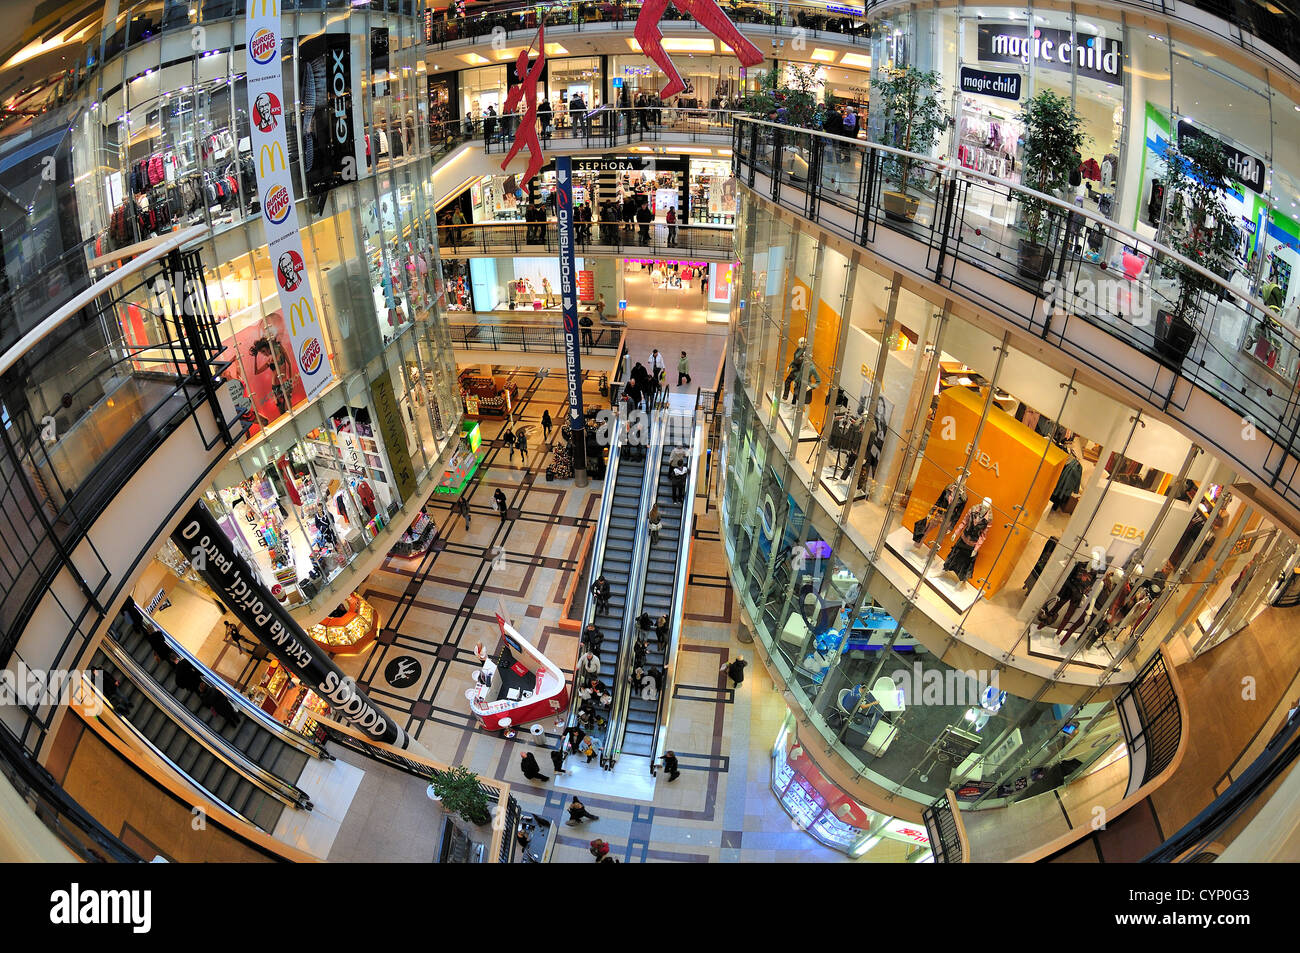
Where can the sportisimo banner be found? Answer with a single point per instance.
(275, 186)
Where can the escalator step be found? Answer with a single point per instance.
(225, 781)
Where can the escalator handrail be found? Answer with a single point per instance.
(597, 547)
(659, 735)
(217, 745)
(282, 731)
(635, 584)
(118, 725)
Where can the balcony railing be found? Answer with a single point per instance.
(446, 29)
(611, 237)
(1092, 272)
(544, 338)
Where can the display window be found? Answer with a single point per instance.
(712, 192)
(350, 628)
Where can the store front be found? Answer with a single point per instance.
(1021, 508)
(1137, 87)
(485, 398)
(525, 285)
(711, 195)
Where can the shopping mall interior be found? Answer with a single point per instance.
(568, 431)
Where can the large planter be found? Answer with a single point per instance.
(899, 207)
(1034, 259)
(1174, 338)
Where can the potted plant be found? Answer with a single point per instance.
(913, 119)
(459, 791)
(1053, 140)
(1197, 172)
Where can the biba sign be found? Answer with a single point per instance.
(1060, 50)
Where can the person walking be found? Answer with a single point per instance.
(671, 220)
(599, 849)
(544, 114)
(499, 499)
(462, 509)
(704, 283)
(683, 370)
(578, 812)
(656, 363)
(735, 670)
(521, 443)
(547, 424)
(530, 767)
(656, 524)
(670, 765)
(557, 761)
(600, 307)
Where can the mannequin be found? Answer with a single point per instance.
(946, 509)
(876, 442)
(1072, 592)
(796, 365)
(1141, 604)
(1114, 580)
(968, 537)
(1090, 600)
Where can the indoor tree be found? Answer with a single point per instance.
(913, 118)
(461, 793)
(1197, 173)
(1053, 141)
(797, 95)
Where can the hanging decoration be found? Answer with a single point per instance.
(527, 91)
(707, 14)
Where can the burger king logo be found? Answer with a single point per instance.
(262, 46)
(278, 203)
(309, 356)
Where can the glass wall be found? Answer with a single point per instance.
(168, 137)
(900, 479)
(1138, 85)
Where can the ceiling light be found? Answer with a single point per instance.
(822, 56)
(860, 60)
(473, 59)
(555, 49)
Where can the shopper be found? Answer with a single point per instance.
(735, 670)
(557, 761)
(656, 524)
(599, 849)
(499, 499)
(704, 283)
(544, 114)
(585, 323)
(656, 675)
(640, 648)
(600, 307)
(547, 424)
(521, 442)
(656, 362)
(592, 638)
(670, 765)
(600, 591)
(588, 664)
(661, 632)
(677, 479)
(645, 622)
(644, 217)
(671, 219)
(462, 509)
(683, 370)
(530, 767)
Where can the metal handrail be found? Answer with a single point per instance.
(505, 334)
(635, 584)
(663, 715)
(597, 547)
(218, 746)
(122, 727)
(115, 277)
(279, 729)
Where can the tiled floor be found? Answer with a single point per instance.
(438, 607)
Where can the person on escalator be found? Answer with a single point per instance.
(600, 591)
(656, 524)
(187, 676)
(645, 622)
(588, 664)
(592, 637)
(640, 648)
(661, 632)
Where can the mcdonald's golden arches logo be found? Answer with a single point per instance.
(270, 158)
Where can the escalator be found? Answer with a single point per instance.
(660, 587)
(242, 759)
(614, 552)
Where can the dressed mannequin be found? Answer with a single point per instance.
(1090, 602)
(796, 365)
(1072, 592)
(1138, 608)
(1101, 626)
(945, 510)
(876, 442)
(968, 537)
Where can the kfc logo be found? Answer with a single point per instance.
(288, 271)
(266, 112)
